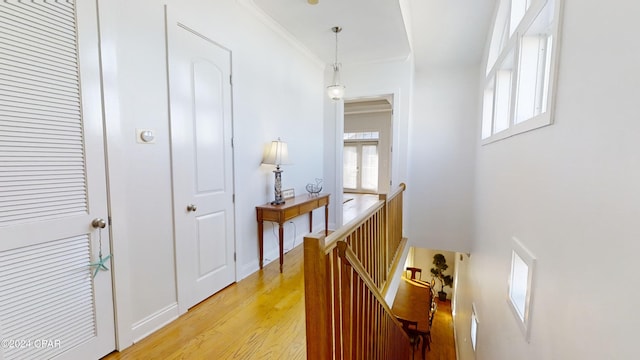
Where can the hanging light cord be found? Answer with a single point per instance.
(335, 63)
(336, 30)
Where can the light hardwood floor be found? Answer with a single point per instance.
(259, 317)
(443, 346)
(355, 204)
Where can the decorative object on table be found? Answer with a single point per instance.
(288, 193)
(314, 189)
(277, 154)
(336, 90)
(437, 272)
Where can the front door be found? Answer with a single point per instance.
(55, 289)
(202, 158)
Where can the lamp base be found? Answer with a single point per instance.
(278, 187)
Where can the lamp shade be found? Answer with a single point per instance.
(277, 154)
(335, 92)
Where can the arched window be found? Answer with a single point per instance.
(521, 67)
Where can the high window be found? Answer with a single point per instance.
(521, 285)
(521, 66)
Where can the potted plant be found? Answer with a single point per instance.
(437, 272)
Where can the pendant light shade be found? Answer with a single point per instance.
(336, 89)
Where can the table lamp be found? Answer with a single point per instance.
(277, 154)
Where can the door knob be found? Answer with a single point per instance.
(98, 223)
(192, 207)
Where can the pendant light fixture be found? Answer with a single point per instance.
(336, 90)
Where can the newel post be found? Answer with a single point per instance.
(317, 298)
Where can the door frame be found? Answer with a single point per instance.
(129, 329)
(172, 18)
(393, 95)
(392, 99)
(90, 72)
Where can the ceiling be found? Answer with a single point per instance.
(444, 32)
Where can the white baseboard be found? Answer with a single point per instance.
(247, 270)
(154, 322)
(271, 248)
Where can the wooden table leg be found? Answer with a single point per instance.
(260, 241)
(310, 221)
(281, 238)
(326, 220)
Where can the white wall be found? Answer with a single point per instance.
(461, 306)
(364, 81)
(277, 92)
(570, 193)
(441, 158)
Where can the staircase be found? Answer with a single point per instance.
(346, 274)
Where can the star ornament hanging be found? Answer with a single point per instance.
(100, 264)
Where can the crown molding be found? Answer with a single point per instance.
(277, 28)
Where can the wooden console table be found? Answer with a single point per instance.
(284, 212)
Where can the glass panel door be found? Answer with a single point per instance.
(360, 166)
(369, 179)
(350, 169)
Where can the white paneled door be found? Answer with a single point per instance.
(52, 185)
(202, 160)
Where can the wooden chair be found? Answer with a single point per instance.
(414, 270)
(432, 312)
(416, 336)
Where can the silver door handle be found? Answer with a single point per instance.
(98, 223)
(192, 207)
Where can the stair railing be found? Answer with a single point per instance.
(346, 274)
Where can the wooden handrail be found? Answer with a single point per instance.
(401, 188)
(345, 272)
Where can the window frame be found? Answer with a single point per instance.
(474, 328)
(523, 320)
(513, 46)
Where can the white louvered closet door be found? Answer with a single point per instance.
(52, 184)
